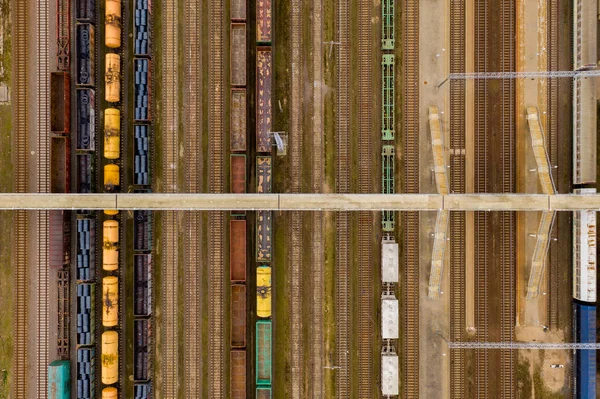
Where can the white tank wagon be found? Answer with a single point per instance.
(389, 374)
(389, 317)
(584, 252)
(389, 261)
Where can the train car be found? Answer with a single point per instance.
(238, 54)
(141, 171)
(389, 374)
(237, 140)
(85, 43)
(60, 164)
(387, 177)
(110, 357)
(142, 284)
(59, 238)
(112, 22)
(263, 22)
(60, 102)
(86, 311)
(237, 361)
(86, 373)
(112, 133)
(141, 347)
(390, 313)
(59, 379)
(387, 25)
(86, 119)
(263, 291)
(238, 10)
(86, 249)
(263, 99)
(110, 393)
(142, 391)
(263, 393)
(112, 78)
(263, 236)
(84, 173)
(142, 230)
(388, 97)
(142, 89)
(237, 251)
(238, 173)
(110, 212)
(584, 253)
(111, 178)
(85, 10)
(263, 352)
(110, 301)
(584, 326)
(389, 261)
(238, 316)
(142, 31)
(263, 174)
(110, 245)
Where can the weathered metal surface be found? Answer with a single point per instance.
(263, 21)
(263, 236)
(238, 54)
(238, 316)
(263, 175)
(238, 173)
(263, 96)
(238, 374)
(237, 251)
(238, 120)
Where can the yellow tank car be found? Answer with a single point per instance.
(110, 358)
(110, 393)
(111, 212)
(113, 23)
(110, 301)
(112, 77)
(110, 245)
(263, 291)
(111, 178)
(112, 133)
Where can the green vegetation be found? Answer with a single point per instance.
(524, 383)
(6, 45)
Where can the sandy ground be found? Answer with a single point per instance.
(434, 367)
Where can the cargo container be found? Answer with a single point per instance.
(86, 373)
(110, 301)
(237, 140)
(389, 261)
(263, 352)
(142, 23)
(60, 165)
(59, 380)
(238, 54)
(142, 391)
(112, 179)
(110, 393)
(238, 316)
(141, 170)
(84, 173)
(142, 284)
(59, 238)
(263, 392)
(85, 54)
(60, 102)
(110, 245)
(142, 89)
(86, 249)
(237, 361)
(238, 10)
(86, 119)
(263, 291)
(110, 357)
(112, 21)
(112, 133)
(141, 348)
(112, 78)
(263, 21)
(263, 236)
(390, 314)
(263, 175)
(237, 251)
(86, 311)
(86, 10)
(142, 230)
(389, 374)
(263, 99)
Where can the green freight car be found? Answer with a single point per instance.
(59, 380)
(263, 393)
(387, 184)
(387, 25)
(263, 352)
(387, 97)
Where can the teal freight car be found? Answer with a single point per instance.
(263, 352)
(59, 380)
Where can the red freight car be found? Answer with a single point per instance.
(59, 238)
(238, 55)
(263, 21)
(238, 120)
(238, 173)
(238, 374)
(263, 95)
(238, 316)
(60, 102)
(237, 251)
(60, 165)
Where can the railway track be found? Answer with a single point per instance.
(216, 220)
(457, 185)
(411, 185)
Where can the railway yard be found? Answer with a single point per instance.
(138, 97)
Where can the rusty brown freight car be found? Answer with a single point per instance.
(263, 175)
(263, 21)
(237, 251)
(59, 238)
(60, 103)
(263, 96)
(238, 120)
(238, 173)
(263, 236)
(238, 10)
(60, 165)
(238, 316)
(238, 54)
(238, 374)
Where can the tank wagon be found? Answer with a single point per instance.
(86, 373)
(263, 352)
(237, 140)
(112, 20)
(263, 392)
(112, 133)
(263, 291)
(110, 245)
(142, 86)
(60, 239)
(84, 173)
(238, 316)
(263, 21)
(142, 286)
(141, 360)
(60, 103)
(142, 20)
(238, 54)
(110, 301)
(237, 251)
(112, 180)
(110, 357)
(110, 393)
(142, 230)
(86, 119)
(85, 10)
(59, 379)
(263, 99)
(112, 78)
(86, 235)
(237, 361)
(86, 320)
(263, 236)
(141, 172)
(263, 174)
(85, 43)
